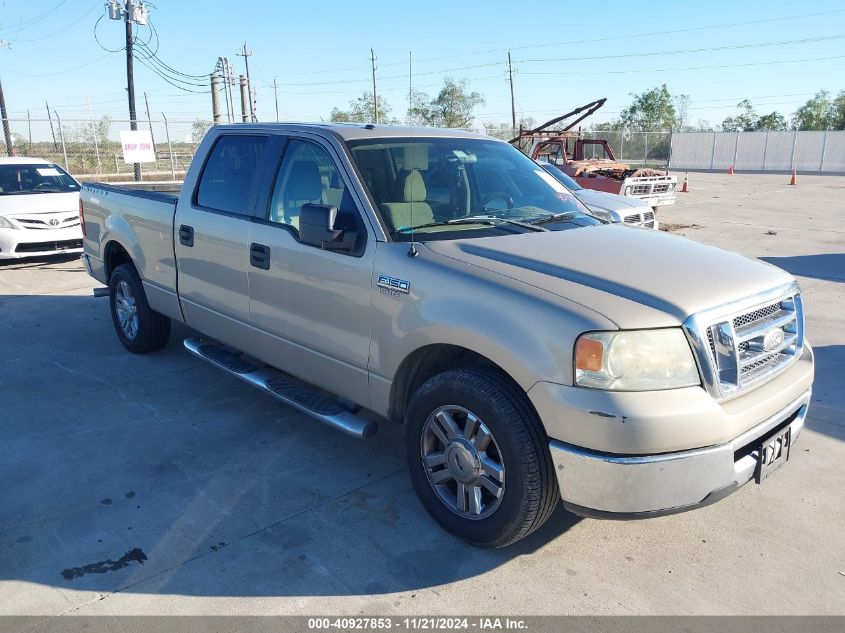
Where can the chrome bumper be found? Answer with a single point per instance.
(640, 486)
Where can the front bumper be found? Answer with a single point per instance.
(18, 243)
(640, 486)
(658, 200)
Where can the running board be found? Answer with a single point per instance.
(284, 387)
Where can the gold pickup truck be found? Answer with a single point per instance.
(445, 281)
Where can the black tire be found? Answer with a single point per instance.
(530, 492)
(153, 329)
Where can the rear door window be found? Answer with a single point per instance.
(229, 172)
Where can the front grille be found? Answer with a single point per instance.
(756, 315)
(747, 347)
(39, 247)
(649, 225)
(41, 225)
(640, 190)
(632, 219)
(661, 187)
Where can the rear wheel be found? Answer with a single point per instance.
(139, 328)
(479, 457)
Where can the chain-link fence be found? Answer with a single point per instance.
(90, 149)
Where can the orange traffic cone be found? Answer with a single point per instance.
(794, 179)
(731, 170)
(685, 188)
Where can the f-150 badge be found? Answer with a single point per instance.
(393, 287)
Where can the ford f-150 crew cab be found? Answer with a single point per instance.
(445, 281)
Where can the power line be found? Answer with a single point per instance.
(60, 72)
(685, 51)
(661, 70)
(25, 24)
(61, 30)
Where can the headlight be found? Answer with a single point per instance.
(636, 360)
(5, 224)
(627, 191)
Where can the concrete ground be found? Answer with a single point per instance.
(158, 485)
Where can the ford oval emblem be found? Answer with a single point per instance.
(773, 339)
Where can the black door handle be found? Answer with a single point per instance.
(259, 256)
(186, 235)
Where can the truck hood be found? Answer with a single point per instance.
(609, 202)
(637, 278)
(39, 203)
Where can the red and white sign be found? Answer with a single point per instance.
(137, 147)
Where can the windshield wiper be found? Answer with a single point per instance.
(488, 220)
(555, 218)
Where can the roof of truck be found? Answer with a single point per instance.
(353, 131)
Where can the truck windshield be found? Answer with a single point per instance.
(444, 188)
(25, 178)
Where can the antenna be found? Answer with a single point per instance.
(412, 251)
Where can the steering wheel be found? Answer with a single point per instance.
(47, 185)
(496, 195)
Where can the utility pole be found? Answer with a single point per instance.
(129, 13)
(510, 79)
(410, 84)
(246, 54)
(215, 98)
(130, 81)
(375, 95)
(276, 97)
(244, 99)
(10, 150)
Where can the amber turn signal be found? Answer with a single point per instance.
(588, 353)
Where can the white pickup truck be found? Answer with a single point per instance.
(445, 281)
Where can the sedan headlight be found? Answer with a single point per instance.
(635, 360)
(5, 224)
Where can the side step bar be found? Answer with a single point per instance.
(288, 389)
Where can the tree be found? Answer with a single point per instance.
(771, 121)
(744, 121)
(818, 113)
(198, 129)
(838, 117)
(361, 111)
(654, 110)
(86, 132)
(749, 121)
(453, 107)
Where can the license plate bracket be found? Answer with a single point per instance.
(773, 453)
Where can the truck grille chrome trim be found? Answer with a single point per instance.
(745, 343)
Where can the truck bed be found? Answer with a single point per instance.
(139, 222)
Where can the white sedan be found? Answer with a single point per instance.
(607, 206)
(39, 209)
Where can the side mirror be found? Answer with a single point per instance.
(316, 228)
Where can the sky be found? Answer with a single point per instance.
(565, 54)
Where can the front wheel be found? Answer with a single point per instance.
(479, 457)
(139, 328)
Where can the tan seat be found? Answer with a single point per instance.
(413, 210)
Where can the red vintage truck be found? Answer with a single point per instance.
(591, 162)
